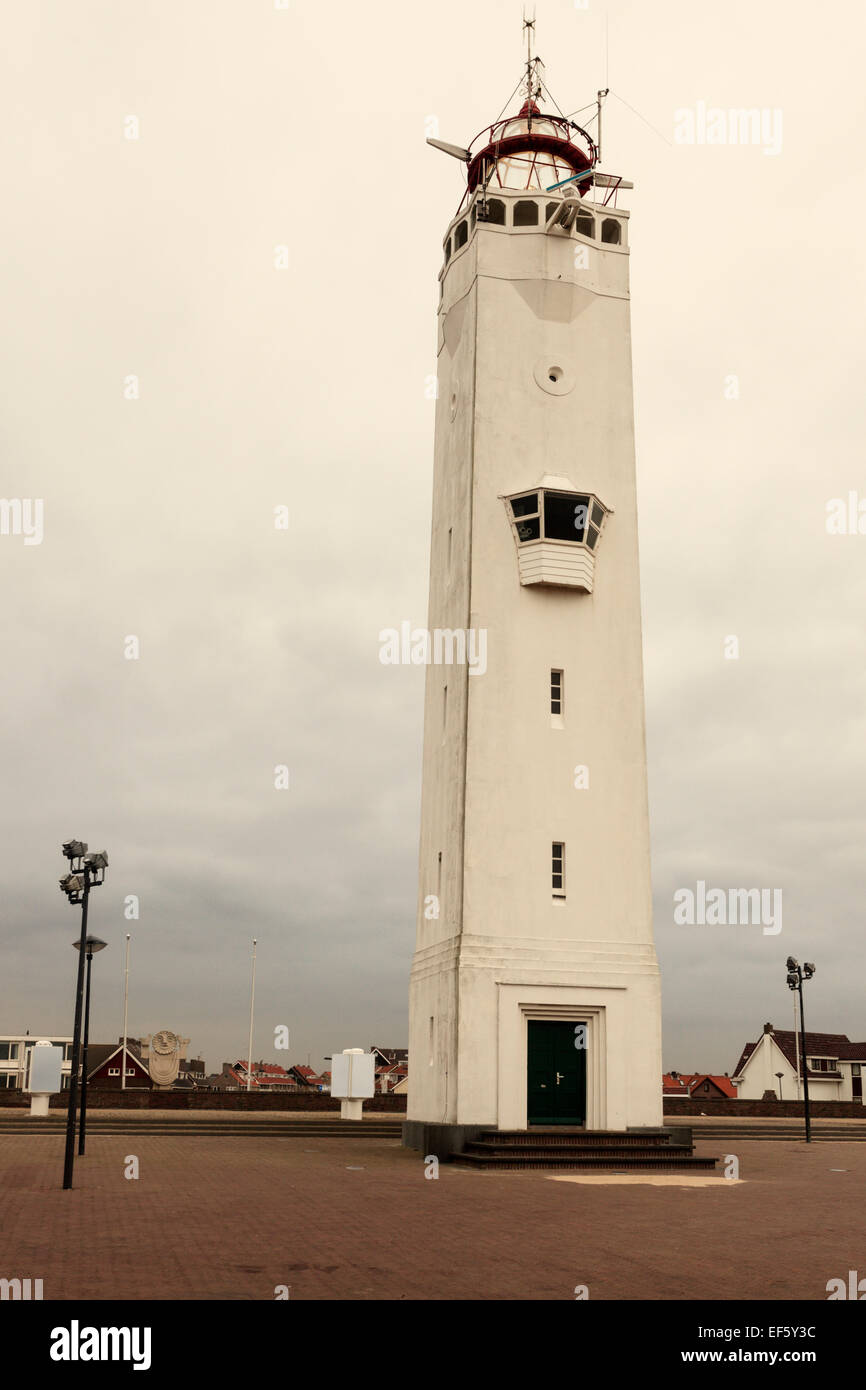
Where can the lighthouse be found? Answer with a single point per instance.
(534, 991)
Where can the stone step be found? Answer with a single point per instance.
(562, 1134)
(576, 1150)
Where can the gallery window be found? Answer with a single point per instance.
(558, 516)
(492, 210)
(525, 213)
(558, 869)
(526, 516)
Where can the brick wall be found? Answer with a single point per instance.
(781, 1109)
(204, 1100)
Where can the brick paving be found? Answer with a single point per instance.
(355, 1218)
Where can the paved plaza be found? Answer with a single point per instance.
(355, 1218)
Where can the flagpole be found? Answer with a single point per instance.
(252, 1006)
(125, 1013)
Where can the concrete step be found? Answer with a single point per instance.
(191, 1128)
(851, 1134)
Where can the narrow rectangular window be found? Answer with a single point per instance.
(558, 869)
(444, 708)
(556, 692)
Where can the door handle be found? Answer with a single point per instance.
(560, 1076)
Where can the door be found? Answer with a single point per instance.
(556, 1073)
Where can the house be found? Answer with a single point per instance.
(389, 1077)
(387, 1056)
(104, 1063)
(708, 1087)
(264, 1076)
(392, 1069)
(771, 1067)
(306, 1078)
(701, 1085)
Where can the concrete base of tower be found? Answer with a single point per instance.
(438, 1140)
(516, 1053)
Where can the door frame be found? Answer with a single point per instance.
(518, 1004)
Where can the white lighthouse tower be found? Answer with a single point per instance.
(535, 993)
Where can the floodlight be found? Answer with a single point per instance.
(98, 859)
(73, 849)
(808, 970)
(791, 963)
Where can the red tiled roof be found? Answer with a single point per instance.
(724, 1083)
(835, 1045)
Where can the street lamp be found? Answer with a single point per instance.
(795, 977)
(779, 1076)
(93, 944)
(86, 871)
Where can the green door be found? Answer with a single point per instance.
(556, 1074)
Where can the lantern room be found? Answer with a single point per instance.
(531, 150)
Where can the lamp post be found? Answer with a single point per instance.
(93, 944)
(779, 1076)
(796, 975)
(86, 871)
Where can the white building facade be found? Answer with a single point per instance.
(535, 990)
(15, 1059)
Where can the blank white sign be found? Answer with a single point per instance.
(353, 1075)
(45, 1068)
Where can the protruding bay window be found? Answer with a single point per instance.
(557, 531)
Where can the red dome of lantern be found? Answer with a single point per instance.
(532, 150)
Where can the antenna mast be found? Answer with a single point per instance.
(599, 98)
(533, 80)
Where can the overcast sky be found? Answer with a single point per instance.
(154, 257)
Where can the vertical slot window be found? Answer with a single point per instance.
(558, 869)
(556, 692)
